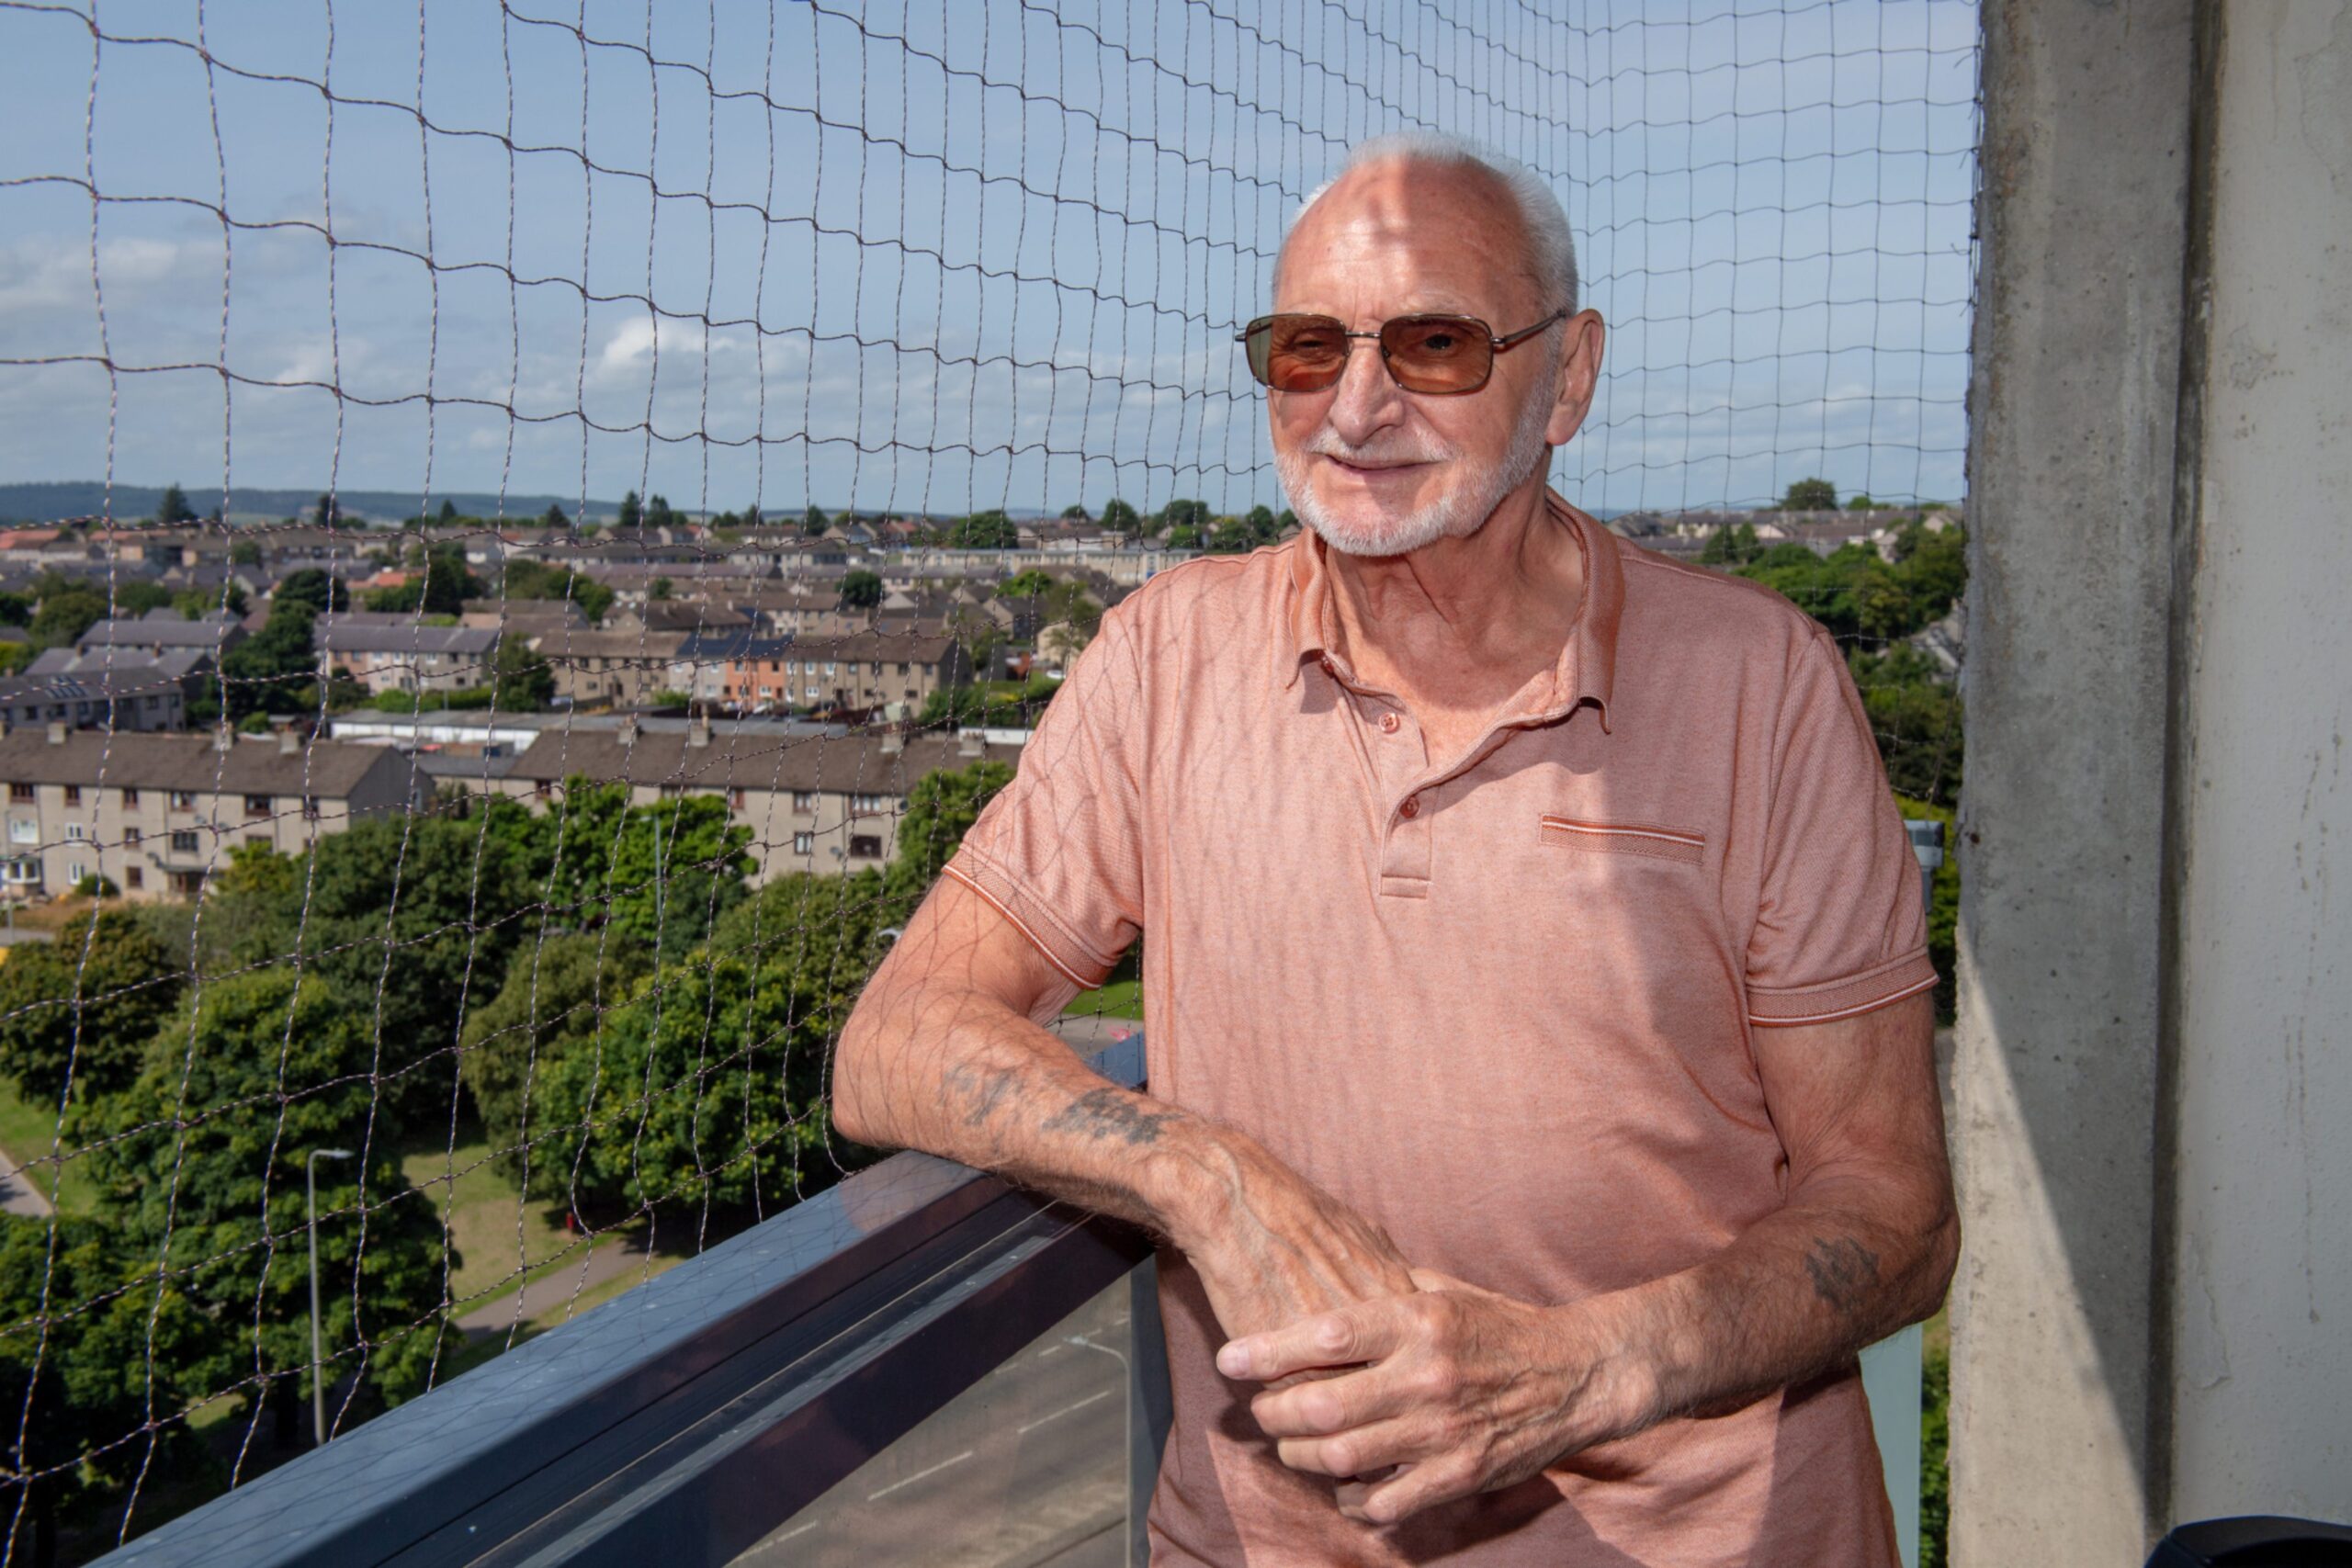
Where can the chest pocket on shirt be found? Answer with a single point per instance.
(1621, 839)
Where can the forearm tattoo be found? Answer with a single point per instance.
(1109, 1114)
(1843, 1273)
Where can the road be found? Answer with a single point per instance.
(20, 1193)
(1028, 1468)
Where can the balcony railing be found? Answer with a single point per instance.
(921, 1364)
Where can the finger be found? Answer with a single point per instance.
(1334, 1403)
(1366, 1451)
(1423, 1485)
(1432, 1279)
(1364, 1331)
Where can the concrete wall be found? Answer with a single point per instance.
(2083, 217)
(2262, 1294)
(2153, 1073)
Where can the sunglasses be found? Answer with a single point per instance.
(1442, 356)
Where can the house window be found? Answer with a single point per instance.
(72, 794)
(134, 876)
(829, 666)
(22, 793)
(183, 800)
(866, 805)
(804, 800)
(735, 796)
(865, 846)
(310, 809)
(804, 843)
(187, 884)
(130, 800)
(256, 805)
(23, 832)
(541, 788)
(811, 692)
(25, 868)
(905, 668)
(129, 837)
(183, 842)
(76, 832)
(75, 872)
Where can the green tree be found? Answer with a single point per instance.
(173, 508)
(657, 512)
(64, 617)
(861, 591)
(660, 588)
(328, 511)
(521, 680)
(554, 516)
(276, 669)
(632, 511)
(1734, 545)
(1076, 512)
(677, 865)
(555, 1002)
(1026, 584)
(201, 1160)
(1183, 536)
(1861, 502)
(1119, 517)
(984, 531)
(1229, 537)
(136, 598)
(310, 586)
(198, 602)
(1810, 495)
(813, 522)
(1194, 515)
(707, 1086)
(410, 921)
(16, 610)
(1263, 529)
(941, 808)
(448, 512)
(116, 1346)
(244, 552)
(86, 1003)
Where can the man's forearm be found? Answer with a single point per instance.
(1848, 1260)
(959, 1074)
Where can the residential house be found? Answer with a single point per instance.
(615, 669)
(157, 814)
(406, 658)
(162, 631)
(813, 804)
(866, 671)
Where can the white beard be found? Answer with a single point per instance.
(1458, 514)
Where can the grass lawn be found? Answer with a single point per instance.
(1120, 998)
(496, 1255)
(26, 1132)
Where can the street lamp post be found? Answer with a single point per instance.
(318, 1352)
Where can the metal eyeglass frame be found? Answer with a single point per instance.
(1495, 346)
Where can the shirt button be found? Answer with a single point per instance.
(1388, 722)
(1411, 808)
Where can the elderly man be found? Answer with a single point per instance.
(1541, 1113)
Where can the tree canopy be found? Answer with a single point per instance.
(1810, 495)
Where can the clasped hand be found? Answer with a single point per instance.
(1449, 1391)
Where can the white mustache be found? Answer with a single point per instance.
(1329, 443)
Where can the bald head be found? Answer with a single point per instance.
(1424, 183)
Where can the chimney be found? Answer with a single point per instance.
(629, 730)
(290, 743)
(57, 732)
(699, 730)
(894, 741)
(224, 737)
(970, 743)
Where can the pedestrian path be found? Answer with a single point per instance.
(20, 1193)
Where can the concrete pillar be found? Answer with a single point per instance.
(2261, 1276)
(2085, 166)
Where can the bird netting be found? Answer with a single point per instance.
(531, 530)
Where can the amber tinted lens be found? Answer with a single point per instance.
(1301, 354)
(1438, 353)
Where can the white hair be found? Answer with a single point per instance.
(1550, 243)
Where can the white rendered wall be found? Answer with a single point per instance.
(2262, 1281)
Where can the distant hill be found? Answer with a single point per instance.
(88, 497)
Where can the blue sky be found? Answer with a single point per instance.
(938, 257)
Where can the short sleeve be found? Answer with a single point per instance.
(1059, 851)
(1840, 929)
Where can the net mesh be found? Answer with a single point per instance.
(410, 856)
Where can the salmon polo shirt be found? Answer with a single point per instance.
(1500, 1003)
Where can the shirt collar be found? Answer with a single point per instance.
(1587, 662)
